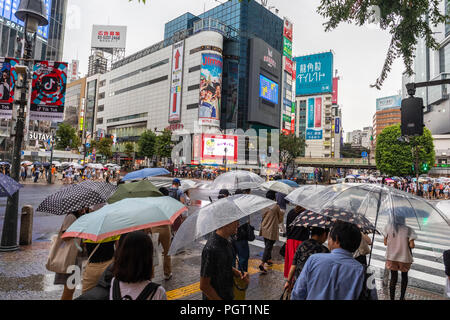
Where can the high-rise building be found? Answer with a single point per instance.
(432, 65)
(49, 40)
(98, 64)
(387, 114)
(74, 105)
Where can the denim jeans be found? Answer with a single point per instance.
(243, 252)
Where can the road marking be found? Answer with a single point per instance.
(422, 262)
(195, 287)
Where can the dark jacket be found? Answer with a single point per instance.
(447, 262)
(101, 290)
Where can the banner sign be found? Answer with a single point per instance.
(232, 96)
(8, 77)
(287, 48)
(48, 92)
(210, 89)
(318, 122)
(215, 148)
(314, 74)
(288, 28)
(334, 98)
(314, 114)
(176, 82)
(288, 65)
(110, 37)
(311, 113)
(337, 125)
(314, 134)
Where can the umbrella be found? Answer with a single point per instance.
(56, 163)
(145, 173)
(141, 189)
(312, 219)
(215, 216)
(238, 179)
(444, 206)
(277, 187)
(46, 164)
(125, 216)
(72, 198)
(382, 206)
(289, 183)
(8, 186)
(105, 189)
(350, 177)
(37, 164)
(303, 192)
(27, 163)
(95, 165)
(188, 184)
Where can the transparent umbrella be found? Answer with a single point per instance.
(238, 179)
(277, 187)
(299, 194)
(215, 216)
(382, 205)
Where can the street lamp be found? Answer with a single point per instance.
(33, 13)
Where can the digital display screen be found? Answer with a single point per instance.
(8, 9)
(268, 89)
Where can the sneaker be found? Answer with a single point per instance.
(167, 277)
(262, 269)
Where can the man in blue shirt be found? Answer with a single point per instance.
(336, 275)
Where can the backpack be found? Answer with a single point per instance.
(173, 193)
(149, 291)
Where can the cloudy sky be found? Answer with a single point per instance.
(359, 52)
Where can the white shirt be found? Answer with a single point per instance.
(398, 245)
(134, 290)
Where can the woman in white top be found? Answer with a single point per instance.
(133, 270)
(399, 240)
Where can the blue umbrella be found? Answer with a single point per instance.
(8, 186)
(145, 173)
(290, 183)
(37, 163)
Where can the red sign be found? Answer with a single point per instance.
(334, 99)
(288, 27)
(318, 111)
(288, 65)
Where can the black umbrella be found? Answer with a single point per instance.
(312, 219)
(105, 189)
(71, 199)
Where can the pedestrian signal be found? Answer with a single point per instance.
(412, 117)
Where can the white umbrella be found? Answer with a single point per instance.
(215, 216)
(56, 163)
(238, 179)
(76, 165)
(277, 187)
(187, 184)
(27, 163)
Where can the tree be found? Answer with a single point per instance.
(129, 149)
(291, 148)
(395, 157)
(103, 147)
(406, 20)
(164, 144)
(66, 137)
(146, 144)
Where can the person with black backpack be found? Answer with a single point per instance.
(133, 270)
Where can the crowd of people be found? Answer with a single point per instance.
(319, 263)
(427, 189)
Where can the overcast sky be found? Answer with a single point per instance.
(359, 52)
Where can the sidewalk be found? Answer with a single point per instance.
(29, 280)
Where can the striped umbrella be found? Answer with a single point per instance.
(126, 216)
(72, 198)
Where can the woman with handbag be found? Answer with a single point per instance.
(363, 250)
(65, 253)
(270, 231)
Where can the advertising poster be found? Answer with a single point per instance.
(176, 82)
(318, 121)
(112, 37)
(288, 28)
(293, 118)
(314, 74)
(311, 113)
(215, 148)
(288, 65)
(48, 92)
(337, 125)
(210, 89)
(334, 98)
(268, 89)
(8, 77)
(392, 102)
(232, 96)
(287, 48)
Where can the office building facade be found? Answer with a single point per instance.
(387, 114)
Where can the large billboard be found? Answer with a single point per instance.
(287, 29)
(176, 82)
(8, 9)
(109, 37)
(215, 148)
(392, 102)
(334, 98)
(210, 89)
(314, 74)
(8, 77)
(314, 129)
(232, 94)
(48, 91)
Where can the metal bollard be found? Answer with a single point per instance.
(26, 226)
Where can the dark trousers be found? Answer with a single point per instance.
(268, 247)
(243, 253)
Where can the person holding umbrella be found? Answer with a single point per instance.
(269, 230)
(399, 240)
(294, 237)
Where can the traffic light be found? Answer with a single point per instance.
(425, 167)
(412, 116)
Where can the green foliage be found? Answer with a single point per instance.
(66, 136)
(146, 144)
(103, 147)
(406, 20)
(291, 147)
(396, 158)
(129, 148)
(164, 144)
